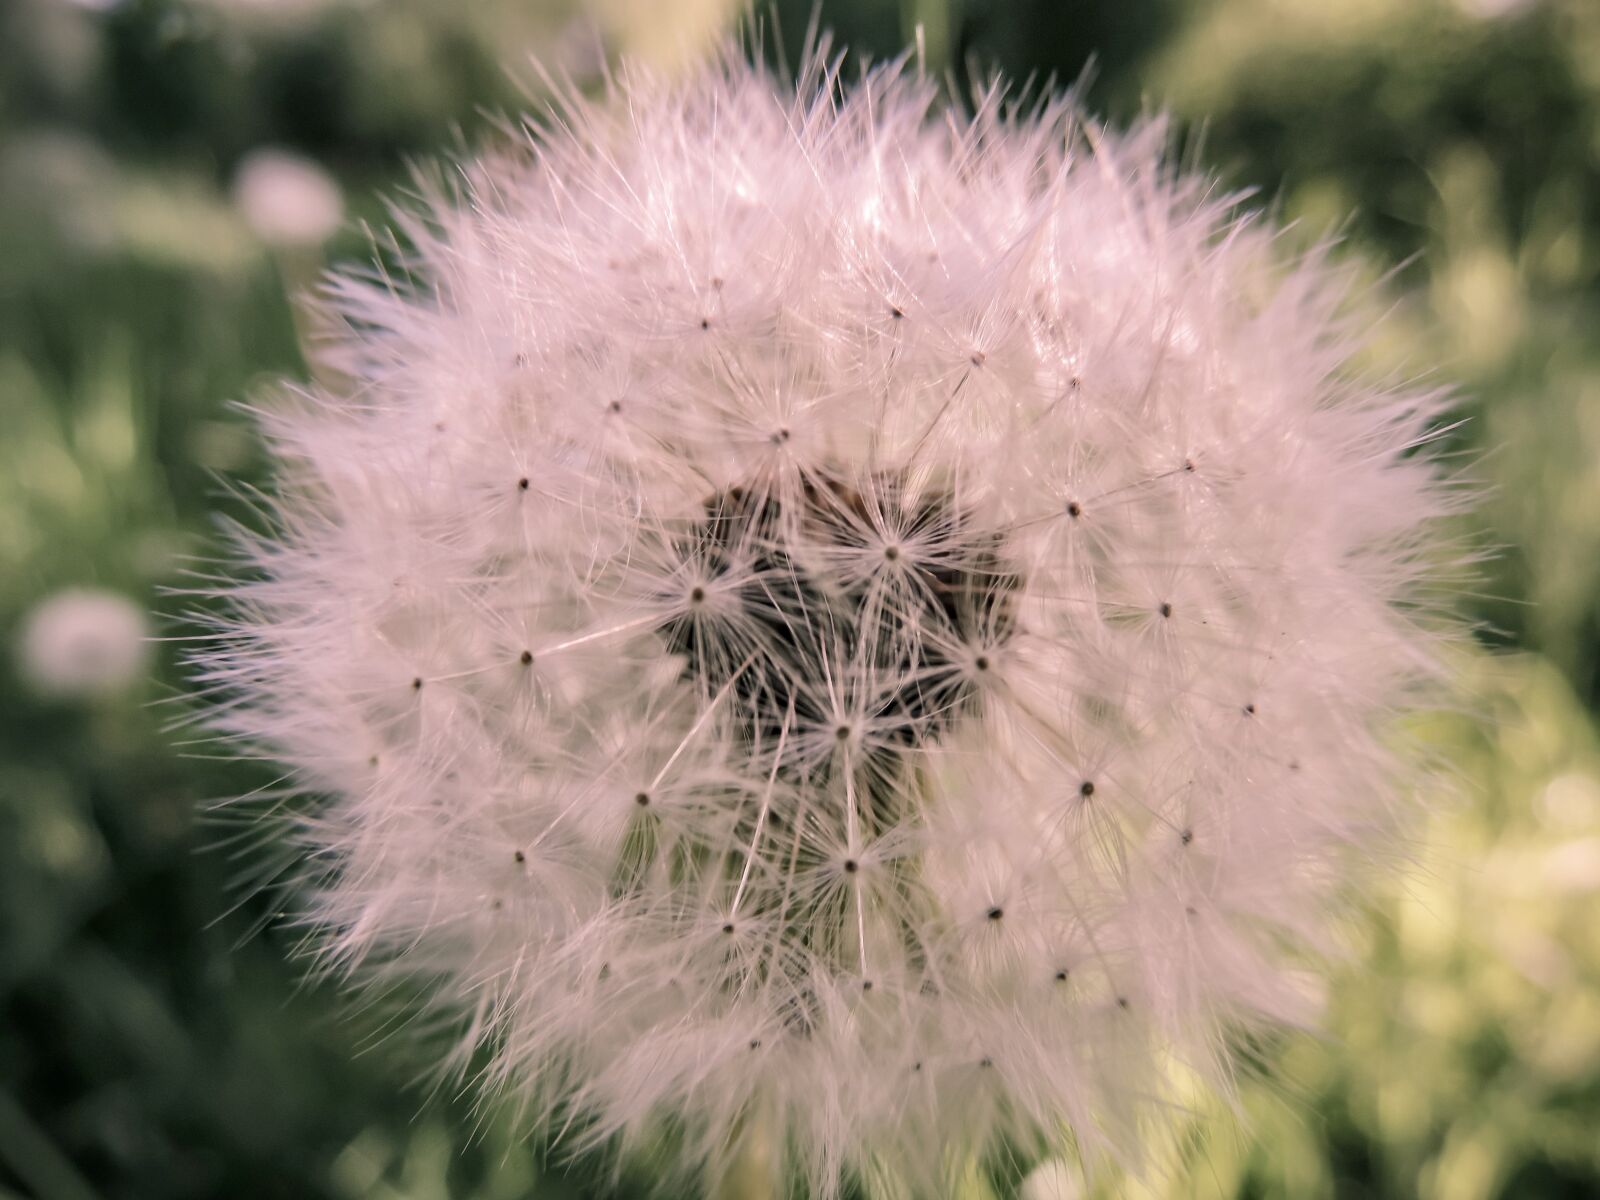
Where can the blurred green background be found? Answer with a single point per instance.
(171, 172)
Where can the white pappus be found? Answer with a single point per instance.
(836, 623)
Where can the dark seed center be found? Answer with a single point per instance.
(802, 633)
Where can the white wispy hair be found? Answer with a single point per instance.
(825, 621)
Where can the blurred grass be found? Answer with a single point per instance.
(155, 1040)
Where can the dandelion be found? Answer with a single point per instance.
(82, 642)
(846, 630)
(287, 200)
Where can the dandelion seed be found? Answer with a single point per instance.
(799, 714)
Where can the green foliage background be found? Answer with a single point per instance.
(155, 1038)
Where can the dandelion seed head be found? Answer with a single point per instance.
(287, 199)
(820, 613)
(83, 642)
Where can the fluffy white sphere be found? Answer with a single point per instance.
(83, 642)
(286, 199)
(834, 622)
